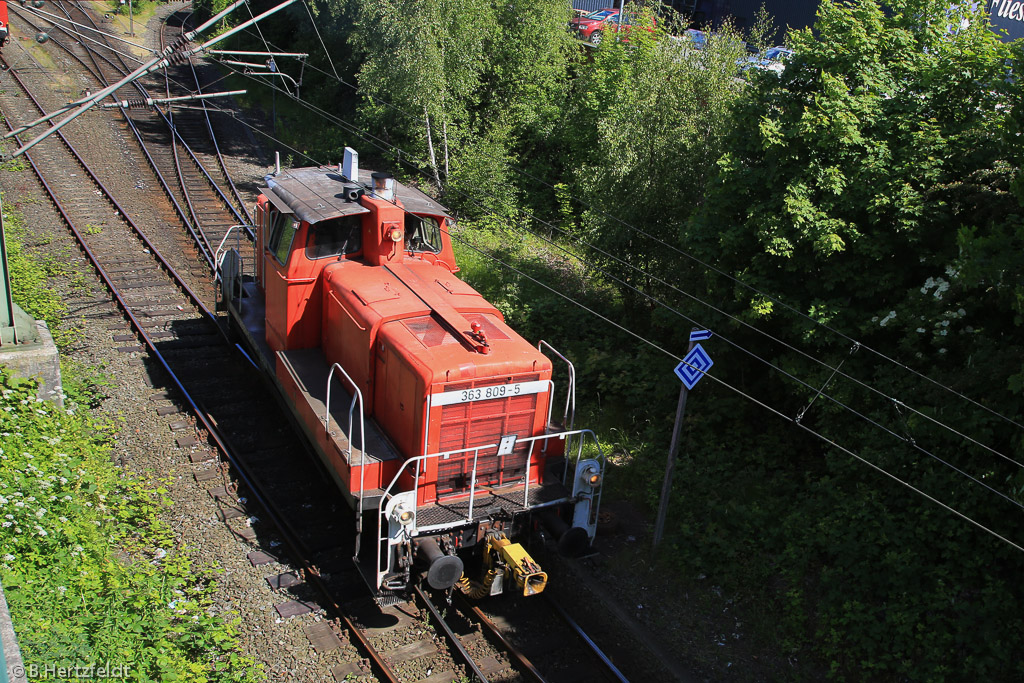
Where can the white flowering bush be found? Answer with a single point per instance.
(90, 572)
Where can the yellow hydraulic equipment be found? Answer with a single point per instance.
(511, 560)
(503, 558)
(475, 590)
(526, 573)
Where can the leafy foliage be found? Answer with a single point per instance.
(865, 188)
(872, 188)
(90, 573)
(458, 85)
(29, 279)
(646, 126)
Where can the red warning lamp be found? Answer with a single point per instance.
(477, 333)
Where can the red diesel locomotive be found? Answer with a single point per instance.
(432, 415)
(5, 28)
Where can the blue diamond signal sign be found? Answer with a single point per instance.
(693, 367)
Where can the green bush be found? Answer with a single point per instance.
(91, 574)
(29, 280)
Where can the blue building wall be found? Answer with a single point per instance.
(791, 13)
(1007, 17)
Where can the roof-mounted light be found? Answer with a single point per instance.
(383, 186)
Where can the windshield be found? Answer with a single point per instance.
(335, 237)
(776, 53)
(422, 233)
(600, 14)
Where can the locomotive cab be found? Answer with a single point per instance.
(430, 413)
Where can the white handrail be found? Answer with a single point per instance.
(220, 254)
(472, 483)
(217, 255)
(529, 459)
(356, 398)
(415, 462)
(569, 416)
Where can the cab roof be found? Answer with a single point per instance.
(317, 193)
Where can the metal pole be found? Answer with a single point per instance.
(670, 465)
(7, 317)
(85, 104)
(131, 18)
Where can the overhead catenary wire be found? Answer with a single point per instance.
(860, 415)
(743, 394)
(748, 397)
(785, 344)
(906, 439)
(391, 148)
(76, 31)
(54, 18)
(717, 270)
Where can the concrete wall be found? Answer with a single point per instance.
(38, 361)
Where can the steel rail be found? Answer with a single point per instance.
(156, 253)
(524, 663)
(193, 224)
(241, 218)
(247, 218)
(450, 634)
(612, 669)
(98, 75)
(298, 552)
(102, 79)
(213, 138)
(169, 118)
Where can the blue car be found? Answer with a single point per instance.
(774, 60)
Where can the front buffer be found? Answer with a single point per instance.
(476, 551)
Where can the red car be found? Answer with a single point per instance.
(592, 27)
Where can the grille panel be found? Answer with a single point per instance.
(476, 423)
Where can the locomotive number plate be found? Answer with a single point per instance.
(447, 398)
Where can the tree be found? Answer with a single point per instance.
(645, 128)
(460, 84)
(868, 187)
(421, 72)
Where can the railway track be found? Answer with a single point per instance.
(161, 282)
(173, 143)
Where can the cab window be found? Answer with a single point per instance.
(422, 233)
(282, 232)
(335, 237)
(271, 222)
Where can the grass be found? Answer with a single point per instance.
(30, 271)
(142, 12)
(90, 572)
